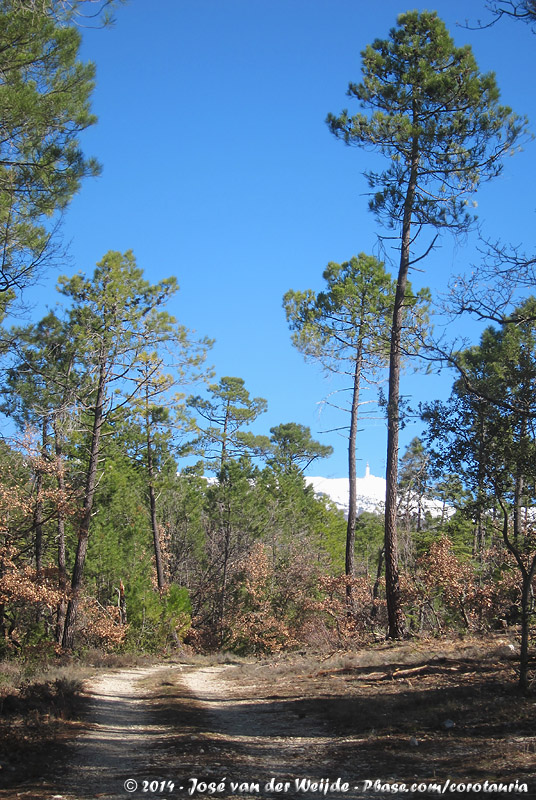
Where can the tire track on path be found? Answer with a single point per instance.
(262, 740)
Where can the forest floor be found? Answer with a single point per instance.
(351, 724)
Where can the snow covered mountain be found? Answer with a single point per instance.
(370, 494)
(370, 491)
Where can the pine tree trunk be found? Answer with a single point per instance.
(89, 495)
(38, 511)
(156, 541)
(62, 568)
(225, 515)
(225, 565)
(519, 488)
(223, 456)
(479, 539)
(352, 476)
(525, 628)
(396, 621)
(152, 504)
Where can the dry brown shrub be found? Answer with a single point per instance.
(355, 622)
(446, 589)
(252, 622)
(99, 626)
(288, 604)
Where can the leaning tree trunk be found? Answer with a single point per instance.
(527, 576)
(89, 495)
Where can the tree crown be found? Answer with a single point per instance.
(436, 118)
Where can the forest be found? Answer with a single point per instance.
(139, 512)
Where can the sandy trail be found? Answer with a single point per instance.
(116, 748)
(196, 727)
(260, 723)
(252, 723)
(262, 740)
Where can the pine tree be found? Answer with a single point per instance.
(485, 434)
(159, 411)
(114, 317)
(229, 410)
(45, 95)
(345, 328)
(439, 124)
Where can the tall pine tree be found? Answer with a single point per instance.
(438, 122)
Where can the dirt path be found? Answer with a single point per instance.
(278, 729)
(285, 728)
(123, 730)
(264, 740)
(173, 731)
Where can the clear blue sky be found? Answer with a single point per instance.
(218, 168)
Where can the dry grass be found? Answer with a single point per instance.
(40, 710)
(431, 708)
(103, 660)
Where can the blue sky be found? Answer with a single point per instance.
(218, 168)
